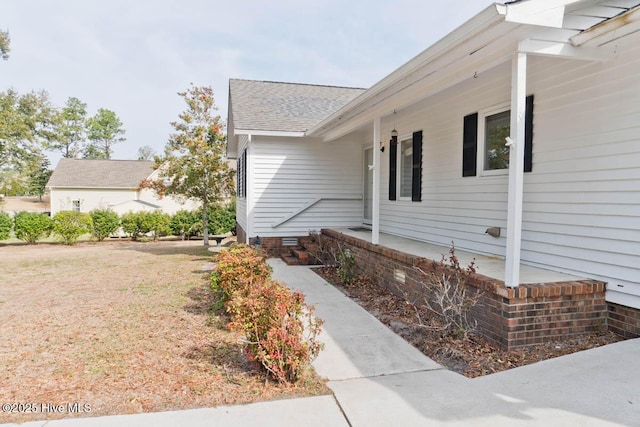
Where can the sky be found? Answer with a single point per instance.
(134, 56)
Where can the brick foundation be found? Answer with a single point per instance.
(624, 321)
(241, 235)
(511, 317)
(274, 245)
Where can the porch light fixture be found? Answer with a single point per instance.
(381, 147)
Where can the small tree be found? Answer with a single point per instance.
(146, 152)
(71, 128)
(32, 226)
(70, 225)
(5, 225)
(105, 223)
(5, 45)
(194, 165)
(39, 177)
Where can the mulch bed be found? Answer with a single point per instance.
(473, 356)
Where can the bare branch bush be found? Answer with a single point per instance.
(324, 249)
(447, 295)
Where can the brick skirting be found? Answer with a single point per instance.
(512, 317)
(624, 321)
(241, 235)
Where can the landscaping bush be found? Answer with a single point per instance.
(237, 268)
(280, 329)
(70, 225)
(185, 224)
(136, 224)
(158, 223)
(32, 226)
(5, 225)
(105, 223)
(222, 219)
(448, 296)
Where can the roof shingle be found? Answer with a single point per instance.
(90, 173)
(288, 107)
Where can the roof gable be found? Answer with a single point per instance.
(284, 107)
(90, 173)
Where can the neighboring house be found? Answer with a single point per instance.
(560, 78)
(84, 185)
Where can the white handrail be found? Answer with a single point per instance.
(313, 202)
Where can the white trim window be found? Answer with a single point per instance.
(75, 205)
(493, 129)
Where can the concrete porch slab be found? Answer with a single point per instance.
(491, 266)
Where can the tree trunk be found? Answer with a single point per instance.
(205, 221)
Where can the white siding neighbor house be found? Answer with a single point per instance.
(524, 119)
(87, 184)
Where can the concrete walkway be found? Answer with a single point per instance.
(380, 380)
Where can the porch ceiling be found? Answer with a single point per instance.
(491, 266)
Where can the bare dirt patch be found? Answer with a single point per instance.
(472, 357)
(29, 204)
(124, 327)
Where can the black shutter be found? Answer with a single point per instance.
(244, 173)
(393, 161)
(528, 134)
(416, 173)
(470, 145)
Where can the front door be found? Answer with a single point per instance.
(368, 187)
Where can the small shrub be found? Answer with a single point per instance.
(6, 224)
(158, 223)
(448, 296)
(185, 224)
(136, 224)
(346, 264)
(70, 225)
(238, 267)
(32, 226)
(222, 219)
(105, 223)
(324, 249)
(280, 329)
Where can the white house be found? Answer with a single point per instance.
(525, 118)
(87, 184)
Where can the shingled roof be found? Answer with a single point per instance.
(86, 173)
(288, 107)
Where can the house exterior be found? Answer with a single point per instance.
(525, 119)
(87, 184)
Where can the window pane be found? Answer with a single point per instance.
(406, 167)
(497, 128)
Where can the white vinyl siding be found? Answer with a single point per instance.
(290, 173)
(582, 199)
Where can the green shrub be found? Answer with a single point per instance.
(136, 224)
(159, 223)
(105, 223)
(5, 226)
(237, 268)
(185, 224)
(70, 225)
(32, 226)
(280, 329)
(222, 219)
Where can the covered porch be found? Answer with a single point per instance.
(490, 266)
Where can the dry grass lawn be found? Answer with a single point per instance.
(124, 327)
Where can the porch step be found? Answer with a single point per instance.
(301, 254)
(291, 260)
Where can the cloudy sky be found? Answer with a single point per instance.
(133, 56)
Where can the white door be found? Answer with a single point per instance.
(368, 187)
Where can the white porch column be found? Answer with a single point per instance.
(516, 169)
(375, 220)
(249, 195)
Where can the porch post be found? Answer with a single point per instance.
(516, 169)
(375, 220)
